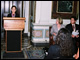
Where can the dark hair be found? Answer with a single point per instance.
(13, 6)
(74, 18)
(65, 42)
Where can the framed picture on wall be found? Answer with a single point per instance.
(65, 9)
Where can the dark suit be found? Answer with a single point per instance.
(69, 27)
(10, 15)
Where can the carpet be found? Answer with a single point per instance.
(14, 55)
(35, 54)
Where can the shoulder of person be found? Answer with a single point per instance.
(77, 26)
(54, 25)
(17, 15)
(54, 46)
(63, 25)
(68, 24)
(9, 15)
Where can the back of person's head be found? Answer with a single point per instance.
(64, 40)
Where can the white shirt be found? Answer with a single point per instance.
(74, 27)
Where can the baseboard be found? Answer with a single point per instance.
(40, 44)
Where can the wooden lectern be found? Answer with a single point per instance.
(13, 27)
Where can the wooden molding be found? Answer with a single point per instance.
(13, 18)
(14, 29)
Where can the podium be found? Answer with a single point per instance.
(13, 29)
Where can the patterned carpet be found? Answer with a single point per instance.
(35, 52)
(30, 52)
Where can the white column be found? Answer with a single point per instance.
(26, 6)
(21, 9)
(38, 9)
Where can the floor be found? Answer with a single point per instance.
(26, 45)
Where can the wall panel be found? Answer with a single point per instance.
(7, 6)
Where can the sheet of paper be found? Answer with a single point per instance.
(75, 33)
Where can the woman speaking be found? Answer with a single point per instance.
(13, 12)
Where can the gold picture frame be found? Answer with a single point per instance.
(64, 14)
(65, 7)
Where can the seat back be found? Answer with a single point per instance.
(50, 40)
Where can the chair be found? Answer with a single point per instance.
(51, 41)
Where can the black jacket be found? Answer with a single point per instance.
(69, 27)
(10, 15)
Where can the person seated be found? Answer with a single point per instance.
(56, 27)
(63, 47)
(74, 28)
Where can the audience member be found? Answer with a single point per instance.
(73, 27)
(63, 47)
(56, 27)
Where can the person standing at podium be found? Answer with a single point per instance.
(13, 12)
